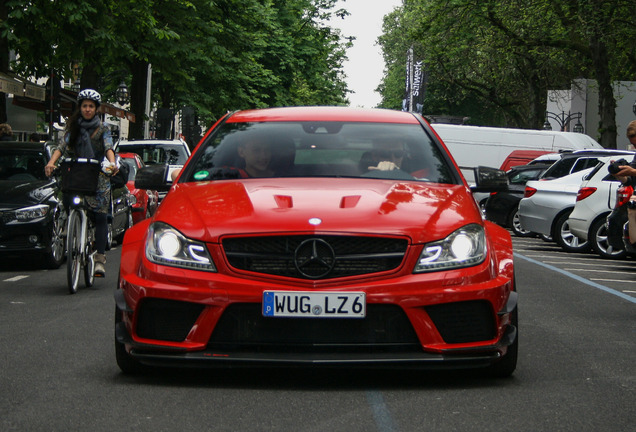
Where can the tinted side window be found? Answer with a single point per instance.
(560, 168)
(584, 163)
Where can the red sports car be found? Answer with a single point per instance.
(318, 236)
(147, 199)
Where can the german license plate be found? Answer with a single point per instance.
(311, 304)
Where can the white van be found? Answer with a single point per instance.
(473, 146)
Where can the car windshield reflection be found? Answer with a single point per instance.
(325, 149)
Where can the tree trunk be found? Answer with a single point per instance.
(606, 100)
(138, 98)
(4, 62)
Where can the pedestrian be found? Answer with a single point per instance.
(87, 137)
(627, 176)
(6, 133)
(628, 170)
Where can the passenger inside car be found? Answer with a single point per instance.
(390, 154)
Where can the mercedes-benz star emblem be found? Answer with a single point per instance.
(314, 258)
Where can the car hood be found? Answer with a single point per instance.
(15, 194)
(422, 211)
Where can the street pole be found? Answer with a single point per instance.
(148, 88)
(411, 79)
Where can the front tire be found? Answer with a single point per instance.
(74, 255)
(125, 361)
(109, 235)
(54, 258)
(508, 363)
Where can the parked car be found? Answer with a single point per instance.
(173, 153)
(120, 217)
(146, 201)
(521, 158)
(503, 207)
(579, 160)
(472, 146)
(31, 215)
(595, 200)
(546, 206)
(318, 259)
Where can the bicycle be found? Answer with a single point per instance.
(80, 238)
(77, 175)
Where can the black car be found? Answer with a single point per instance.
(121, 215)
(502, 207)
(31, 215)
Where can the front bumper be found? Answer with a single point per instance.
(229, 331)
(26, 237)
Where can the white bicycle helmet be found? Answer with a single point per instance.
(89, 94)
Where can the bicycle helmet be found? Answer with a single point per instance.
(90, 94)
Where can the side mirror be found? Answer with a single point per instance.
(153, 177)
(489, 180)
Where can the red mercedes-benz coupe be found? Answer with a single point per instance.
(318, 236)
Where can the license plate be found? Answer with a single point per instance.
(311, 304)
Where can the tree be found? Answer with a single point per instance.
(495, 60)
(215, 56)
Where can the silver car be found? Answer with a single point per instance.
(547, 205)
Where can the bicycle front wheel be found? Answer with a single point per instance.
(74, 251)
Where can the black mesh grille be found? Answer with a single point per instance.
(278, 255)
(243, 328)
(166, 319)
(463, 322)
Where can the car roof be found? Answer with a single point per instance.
(129, 155)
(598, 152)
(25, 145)
(373, 115)
(150, 142)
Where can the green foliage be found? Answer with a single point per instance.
(214, 55)
(494, 60)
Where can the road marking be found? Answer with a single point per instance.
(16, 278)
(629, 291)
(381, 414)
(613, 271)
(579, 278)
(613, 280)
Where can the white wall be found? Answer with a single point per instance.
(583, 98)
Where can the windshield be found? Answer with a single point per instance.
(523, 176)
(22, 165)
(171, 154)
(320, 149)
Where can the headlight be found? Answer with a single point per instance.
(167, 246)
(29, 214)
(465, 247)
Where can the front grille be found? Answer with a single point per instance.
(315, 257)
(242, 327)
(166, 319)
(464, 322)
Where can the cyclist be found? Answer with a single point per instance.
(87, 137)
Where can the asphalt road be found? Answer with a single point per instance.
(576, 372)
